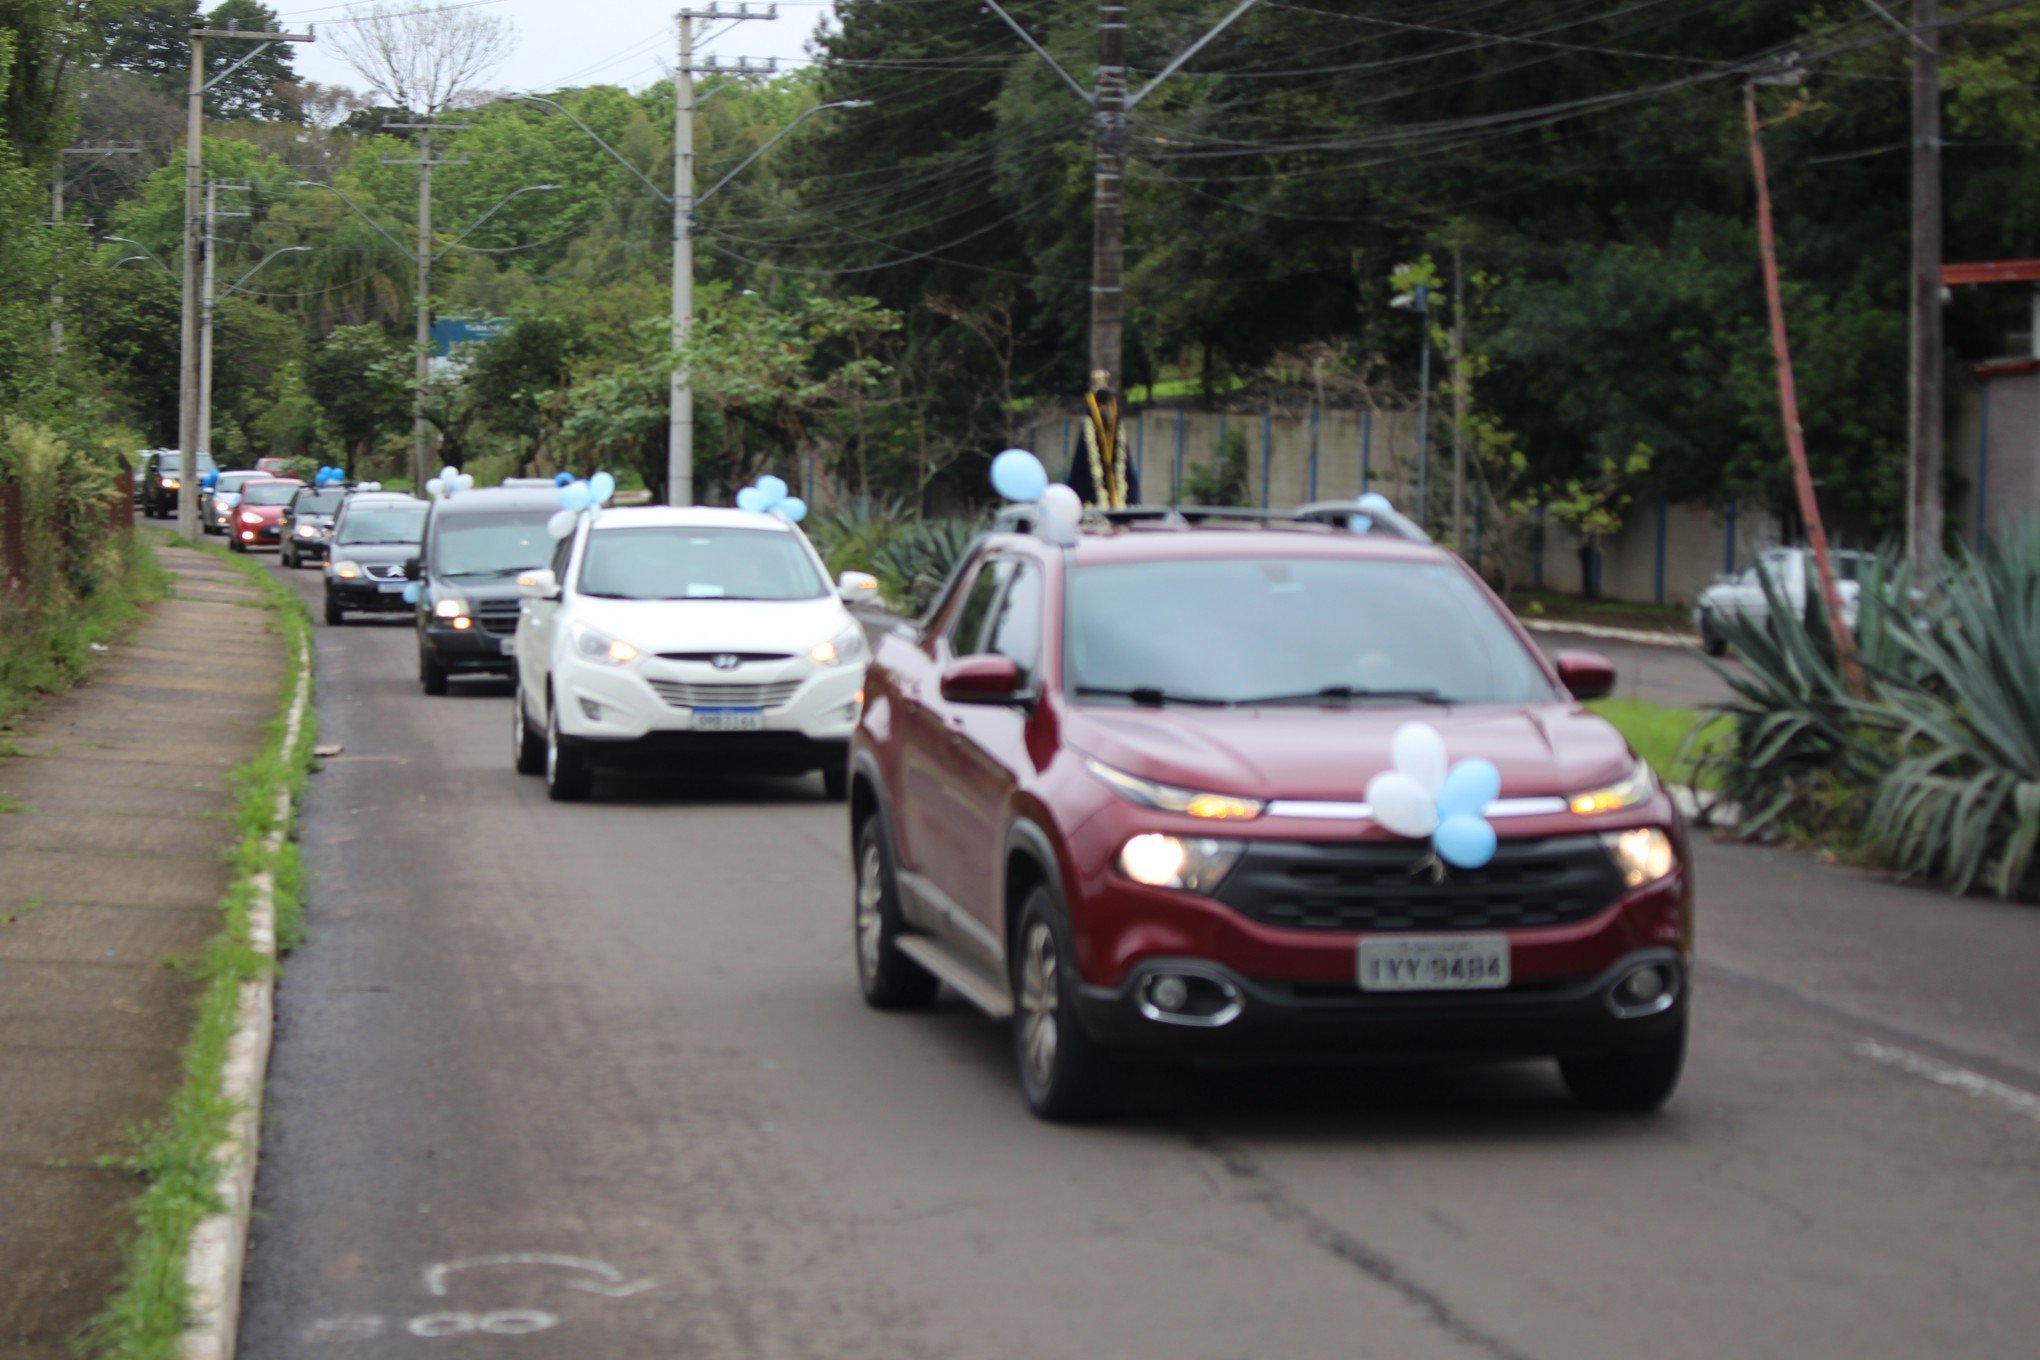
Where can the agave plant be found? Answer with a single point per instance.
(913, 562)
(1961, 800)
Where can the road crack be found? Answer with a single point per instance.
(1263, 1189)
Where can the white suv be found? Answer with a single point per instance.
(686, 639)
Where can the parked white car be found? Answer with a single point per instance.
(678, 639)
(1792, 575)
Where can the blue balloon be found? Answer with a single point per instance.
(1469, 787)
(773, 489)
(411, 593)
(574, 495)
(751, 500)
(1374, 503)
(562, 478)
(601, 487)
(794, 508)
(1464, 841)
(1019, 476)
(1359, 524)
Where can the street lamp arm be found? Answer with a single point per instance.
(259, 264)
(774, 138)
(147, 254)
(1042, 52)
(1192, 50)
(358, 212)
(618, 156)
(500, 203)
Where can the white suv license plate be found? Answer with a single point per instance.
(1434, 963)
(729, 720)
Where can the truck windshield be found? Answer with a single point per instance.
(381, 524)
(491, 545)
(1291, 629)
(680, 562)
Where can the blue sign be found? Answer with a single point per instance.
(449, 331)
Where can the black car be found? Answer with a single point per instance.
(374, 536)
(163, 478)
(476, 545)
(308, 524)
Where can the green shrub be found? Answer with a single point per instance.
(913, 561)
(1223, 482)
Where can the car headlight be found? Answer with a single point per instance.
(1644, 854)
(597, 645)
(1190, 863)
(450, 608)
(347, 571)
(170, 483)
(845, 649)
(1626, 792)
(250, 517)
(308, 531)
(1217, 807)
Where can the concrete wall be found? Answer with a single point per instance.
(1994, 451)
(1666, 557)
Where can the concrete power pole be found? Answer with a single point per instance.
(680, 386)
(1459, 401)
(194, 137)
(421, 370)
(1924, 513)
(1108, 202)
(208, 301)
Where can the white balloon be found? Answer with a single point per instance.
(434, 487)
(1062, 504)
(1402, 805)
(448, 473)
(561, 524)
(466, 481)
(1419, 752)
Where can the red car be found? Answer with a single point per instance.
(1118, 792)
(258, 517)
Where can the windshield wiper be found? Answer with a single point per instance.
(1336, 693)
(1151, 696)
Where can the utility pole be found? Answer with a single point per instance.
(680, 385)
(421, 372)
(1111, 105)
(194, 138)
(1423, 310)
(57, 185)
(207, 302)
(1923, 468)
(1459, 400)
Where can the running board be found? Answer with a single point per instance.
(973, 986)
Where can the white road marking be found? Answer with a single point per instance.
(614, 1286)
(1955, 1078)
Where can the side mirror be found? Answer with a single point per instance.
(539, 585)
(981, 680)
(857, 587)
(414, 568)
(1588, 675)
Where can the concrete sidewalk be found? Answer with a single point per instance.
(111, 873)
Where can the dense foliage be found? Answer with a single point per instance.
(886, 290)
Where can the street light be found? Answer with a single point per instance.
(769, 142)
(1418, 302)
(146, 254)
(207, 304)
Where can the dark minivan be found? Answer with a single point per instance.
(376, 534)
(163, 478)
(308, 523)
(476, 545)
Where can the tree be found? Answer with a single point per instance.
(363, 383)
(152, 39)
(422, 59)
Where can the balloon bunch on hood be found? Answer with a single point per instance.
(449, 481)
(1420, 796)
(767, 496)
(577, 498)
(329, 476)
(1019, 476)
(210, 479)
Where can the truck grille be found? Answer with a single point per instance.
(1385, 885)
(498, 617)
(681, 694)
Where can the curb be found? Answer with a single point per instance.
(1641, 636)
(219, 1245)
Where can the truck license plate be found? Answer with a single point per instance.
(729, 719)
(1434, 963)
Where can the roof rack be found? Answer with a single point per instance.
(1328, 515)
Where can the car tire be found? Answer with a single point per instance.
(1631, 1081)
(1065, 1074)
(1711, 642)
(889, 979)
(236, 545)
(567, 776)
(836, 782)
(527, 743)
(335, 615)
(431, 674)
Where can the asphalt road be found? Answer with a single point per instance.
(594, 1083)
(1678, 677)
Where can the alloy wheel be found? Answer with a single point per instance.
(870, 923)
(1039, 998)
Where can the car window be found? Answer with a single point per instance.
(1240, 629)
(967, 626)
(310, 502)
(380, 524)
(1016, 630)
(698, 562)
(263, 493)
(560, 556)
(473, 545)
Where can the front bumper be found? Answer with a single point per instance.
(367, 597)
(805, 723)
(471, 649)
(1329, 1021)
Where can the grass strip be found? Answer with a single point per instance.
(1659, 732)
(146, 1318)
(47, 654)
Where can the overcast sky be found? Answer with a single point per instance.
(585, 42)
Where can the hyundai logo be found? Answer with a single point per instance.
(725, 661)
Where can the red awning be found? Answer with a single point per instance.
(1991, 271)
